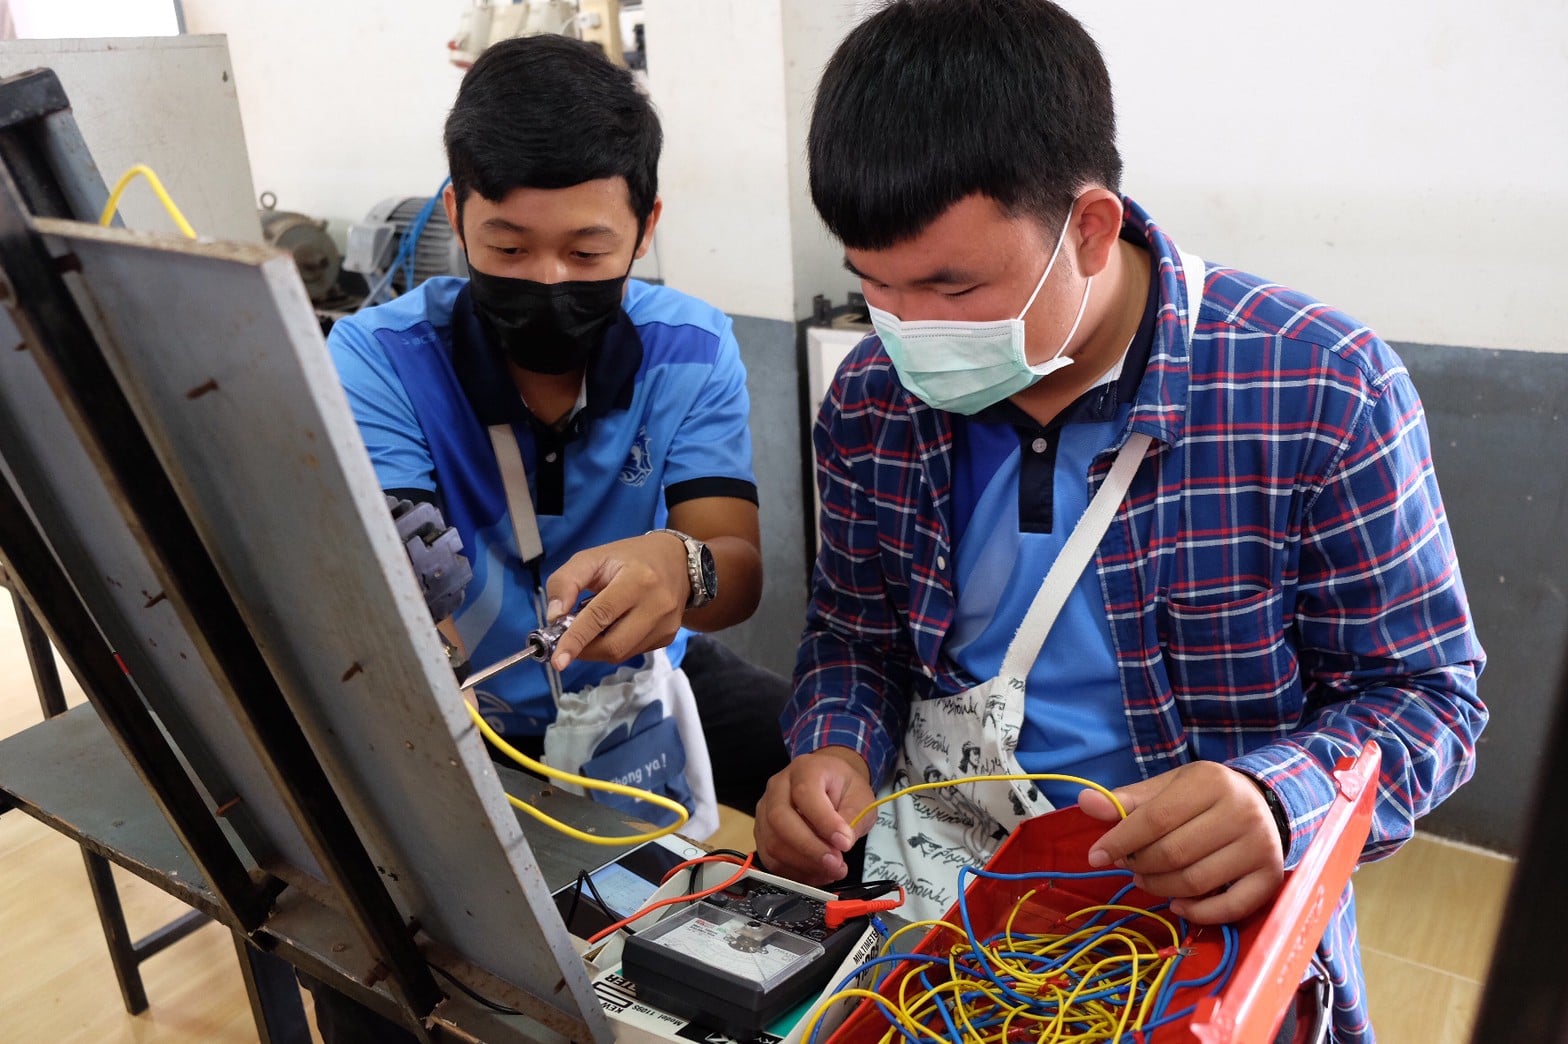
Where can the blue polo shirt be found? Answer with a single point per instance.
(1019, 488)
(664, 421)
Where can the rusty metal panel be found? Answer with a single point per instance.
(73, 507)
(221, 357)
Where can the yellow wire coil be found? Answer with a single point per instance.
(969, 1000)
(142, 170)
(586, 783)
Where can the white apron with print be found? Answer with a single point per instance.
(921, 840)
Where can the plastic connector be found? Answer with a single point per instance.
(435, 550)
(837, 911)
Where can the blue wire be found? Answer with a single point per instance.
(405, 249)
(953, 1034)
(892, 958)
(1229, 935)
(982, 968)
(1222, 972)
(1087, 946)
(1039, 875)
(1175, 1016)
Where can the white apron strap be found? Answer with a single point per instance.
(525, 524)
(514, 480)
(1086, 535)
(1075, 554)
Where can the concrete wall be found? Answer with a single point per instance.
(1497, 418)
(1404, 164)
(164, 101)
(343, 102)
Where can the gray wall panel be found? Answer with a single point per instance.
(1498, 421)
(773, 377)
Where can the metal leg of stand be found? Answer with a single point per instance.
(122, 950)
(274, 996)
(40, 658)
(125, 953)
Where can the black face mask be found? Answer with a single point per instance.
(546, 327)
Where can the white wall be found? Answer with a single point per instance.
(343, 101)
(57, 19)
(716, 73)
(1405, 167)
(1404, 163)
(811, 32)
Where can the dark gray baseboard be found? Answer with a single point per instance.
(771, 352)
(1499, 421)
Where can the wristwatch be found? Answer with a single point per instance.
(699, 569)
(1277, 810)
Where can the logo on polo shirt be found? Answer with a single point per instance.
(639, 462)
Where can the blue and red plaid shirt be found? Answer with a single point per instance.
(1280, 580)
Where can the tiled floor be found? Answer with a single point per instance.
(1428, 917)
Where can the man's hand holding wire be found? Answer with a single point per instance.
(1201, 834)
(803, 821)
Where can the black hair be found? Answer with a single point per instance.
(929, 101)
(551, 112)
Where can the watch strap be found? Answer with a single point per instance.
(699, 594)
(1277, 810)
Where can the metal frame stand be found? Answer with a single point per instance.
(42, 150)
(362, 839)
(125, 953)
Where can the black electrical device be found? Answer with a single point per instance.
(741, 958)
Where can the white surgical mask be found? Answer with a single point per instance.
(963, 367)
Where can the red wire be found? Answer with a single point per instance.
(623, 922)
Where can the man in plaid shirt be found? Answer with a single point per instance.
(1277, 587)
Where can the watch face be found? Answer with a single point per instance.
(710, 576)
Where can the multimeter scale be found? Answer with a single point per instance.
(739, 959)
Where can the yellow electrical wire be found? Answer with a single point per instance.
(871, 995)
(1165, 971)
(586, 783)
(1052, 776)
(158, 190)
(970, 999)
(912, 1014)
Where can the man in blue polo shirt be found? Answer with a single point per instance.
(624, 403)
(619, 408)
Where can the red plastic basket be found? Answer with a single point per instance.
(1274, 945)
